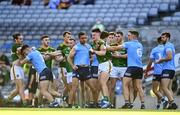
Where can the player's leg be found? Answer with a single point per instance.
(96, 85)
(52, 90)
(44, 86)
(170, 86)
(93, 89)
(126, 91)
(20, 84)
(112, 84)
(156, 87)
(14, 92)
(63, 76)
(72, 94)
(82, 87)
(104, 71)
(103, 78)
(140, 91)
(45, 78)
(133, 92)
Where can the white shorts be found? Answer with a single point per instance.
(105, 67)
(69, 77)
(118, 72)
(61, 71)
(17, 72)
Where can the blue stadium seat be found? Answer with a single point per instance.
(143, 15)
(93, 15)
(153, 12)
(156, 23)
(176, 19)
(167, 19)
(172, 7)
(164, 7)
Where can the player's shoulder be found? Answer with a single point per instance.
(40, 48)
(101, 42)
(51, 48)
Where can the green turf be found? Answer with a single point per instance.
(70, 109)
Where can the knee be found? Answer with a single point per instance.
(138, 88)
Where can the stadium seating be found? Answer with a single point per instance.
(35, 20)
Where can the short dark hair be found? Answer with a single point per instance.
(23, 48)
(159, 39)
(44, 36)
(104, 34)
(136, 33)
(96, 30)
(66, 32)
(111, 33)
(167, 34)
(16, 35)
(81, 33)
(119, 32)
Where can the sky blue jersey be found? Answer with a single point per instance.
(170, 65)
(37, 60)
(155, 56)
(134, 51)
(82, 55)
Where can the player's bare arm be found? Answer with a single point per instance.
(168, 58)
(102, 51)
(114, 48)
(70, 59)
(148, 68)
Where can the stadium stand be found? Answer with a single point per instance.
(36, 20)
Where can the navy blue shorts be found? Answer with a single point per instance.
(82, 73)
(94, 72)
(46, 74)
(134, 72)
(157, 77)
(169, 74)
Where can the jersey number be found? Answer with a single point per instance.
(139, 52)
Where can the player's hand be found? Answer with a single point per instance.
(59, 58)
(159, 61)
(75, 67)
(145, 75)
(91, 50)
(29, 86)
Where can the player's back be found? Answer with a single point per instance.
(134, 52)
(37, 60)
(169, 64)
(156, 55)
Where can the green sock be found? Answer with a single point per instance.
(105, 98)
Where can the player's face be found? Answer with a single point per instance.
(111, 39)
(83, 39)
(119, 37)
(95, 36)
(19, 40)
(25, 51)
(67, 37)
(72, 43)
(130, 36)
(46, 41)
(164, 39)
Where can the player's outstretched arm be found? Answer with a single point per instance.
(124, 56)
(167, 58)
(102, 51)
(114, 48)
(148, 68)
